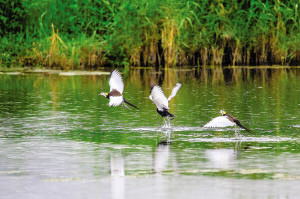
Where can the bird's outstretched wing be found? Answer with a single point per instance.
(159, 99)
(116, 82)
(174, 91)
(219, 122)
(115, 100)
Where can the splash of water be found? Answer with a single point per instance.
(167, 124)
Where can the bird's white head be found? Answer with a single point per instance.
(222, 112)
(104, 94)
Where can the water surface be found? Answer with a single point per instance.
(59, 138)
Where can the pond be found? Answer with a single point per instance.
(60, 139)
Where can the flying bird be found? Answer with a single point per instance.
(160, 100)
(224, 121)
(116, 89)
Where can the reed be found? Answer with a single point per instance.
(88, 34)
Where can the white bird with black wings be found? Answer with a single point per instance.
(116, 89)
(160, 100)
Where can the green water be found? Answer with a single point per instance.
(59, 138)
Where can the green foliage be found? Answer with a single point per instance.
(11, 17)
(73, 34)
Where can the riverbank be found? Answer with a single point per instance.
(19, 70)
(107, 70)
(85, 36)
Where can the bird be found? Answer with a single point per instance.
(116, 89)
(160, 100)
(224, 121)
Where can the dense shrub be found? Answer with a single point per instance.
(74, 34)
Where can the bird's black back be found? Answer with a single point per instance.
(165, 113)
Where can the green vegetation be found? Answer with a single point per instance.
(88, 34)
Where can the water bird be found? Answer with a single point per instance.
(224, 121)
(116, 89)
(160, 100)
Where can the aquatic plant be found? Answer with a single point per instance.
(89, 34)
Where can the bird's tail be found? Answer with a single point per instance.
(240, 125)
(129, 103)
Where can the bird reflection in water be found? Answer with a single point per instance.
(117, 173)
(162, 153)
(224, 158)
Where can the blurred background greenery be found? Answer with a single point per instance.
(76, 34)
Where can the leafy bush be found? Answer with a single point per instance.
(72, 34)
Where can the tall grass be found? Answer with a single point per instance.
(74, 34)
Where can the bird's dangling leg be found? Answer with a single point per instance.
(238, 145)
(237, 133)
(125, 106)
(163, 123)
(166, 123)
(167, 133)
(169, 122)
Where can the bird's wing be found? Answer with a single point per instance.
(115, 100)
(220, 121)
(116, 82)
(174, 91)
(159, 99)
